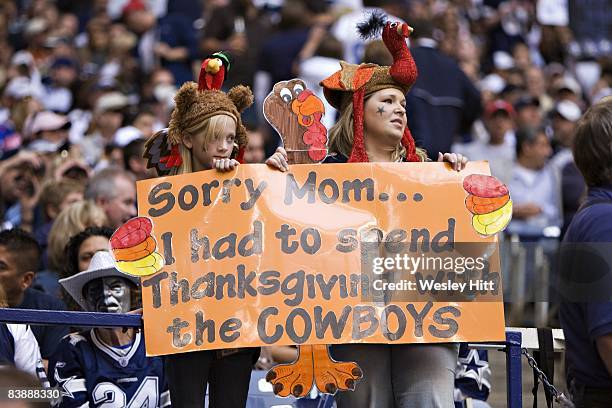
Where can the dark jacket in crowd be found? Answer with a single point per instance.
(442, 104)
(48, 337)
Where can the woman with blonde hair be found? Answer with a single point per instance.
(206, 132)
(373, 127)
(69, 222)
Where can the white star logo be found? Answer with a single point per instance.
(473, 367)
(70, 385)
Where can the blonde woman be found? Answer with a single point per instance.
(373, 127)
(206, 132)
(69, 222)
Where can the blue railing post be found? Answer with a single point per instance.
(514, 374)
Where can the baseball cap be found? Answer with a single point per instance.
(498, 105)
(570, 84)
(125, 135)
(526, 100)
(493, 83)
(47, 120)
(19, 88)
(35, 26)
(22, 58)
(502, 60)
(568, 110)
(111, 101)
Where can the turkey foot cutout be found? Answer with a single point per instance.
(294, 378)
(330, 375)
(314, 364)
(295, 113)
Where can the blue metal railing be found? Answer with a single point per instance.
(76, 319)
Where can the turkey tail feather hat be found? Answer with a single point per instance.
(353, 83)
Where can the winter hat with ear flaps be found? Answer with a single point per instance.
(353, 83)
(194, 106)
(194, 103)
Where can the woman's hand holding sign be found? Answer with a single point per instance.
(278, 160)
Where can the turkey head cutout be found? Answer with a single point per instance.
(295, 113)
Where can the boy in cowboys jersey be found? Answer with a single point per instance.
(107, 367)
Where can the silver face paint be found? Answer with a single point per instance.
(110, 294)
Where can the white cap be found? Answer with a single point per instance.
(503, 60)
(47, 120)
(567, 82)
(19, 87)
(493, 83)
(22, 58)
(125, 135)
(111, 101)
(568, 110)
(35, 26)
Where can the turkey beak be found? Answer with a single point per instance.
(213, 66)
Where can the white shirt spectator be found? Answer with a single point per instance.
(500, 157)
(27, 354)
(538, 187)
(57, 99)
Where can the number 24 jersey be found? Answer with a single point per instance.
(90, 373)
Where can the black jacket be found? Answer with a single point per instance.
(442, 104)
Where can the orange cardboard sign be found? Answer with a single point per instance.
(322, 254)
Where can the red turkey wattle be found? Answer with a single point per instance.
(316, 138)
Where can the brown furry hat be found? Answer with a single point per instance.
(194, 107)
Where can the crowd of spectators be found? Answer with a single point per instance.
(84, 83)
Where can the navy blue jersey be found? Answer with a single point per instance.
(586, 312)
(473, 375)
(89, 373)
(7, 346)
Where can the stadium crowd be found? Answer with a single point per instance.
(83, 85)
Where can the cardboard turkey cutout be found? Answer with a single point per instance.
(295, 112)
